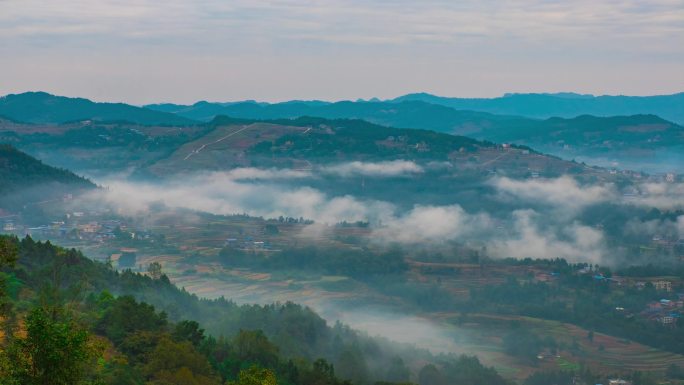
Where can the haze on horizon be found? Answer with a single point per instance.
(179, 51)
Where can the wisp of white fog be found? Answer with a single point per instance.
(551, 232)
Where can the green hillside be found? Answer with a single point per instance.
(70, 320)
(589, 131)
(600, 140)
(19, 170)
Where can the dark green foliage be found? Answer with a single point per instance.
(283, 338)
(357, 140)
(430, 375)
(591, 132)
(271, 229)
(54, 351)
(675, 372)
(254, 347)
(354, 263)
(188, 331)
(9, 252)
(590, 305)
(468, 370)
(125, 316)
(19, 170)
(351, 364)
(178, 362)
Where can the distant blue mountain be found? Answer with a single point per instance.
(565, 105)
(41, 107)
(409, 114)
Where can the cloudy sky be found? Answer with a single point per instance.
(142, 51)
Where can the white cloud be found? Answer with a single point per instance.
(229, 193)
(251, 173)
(532, 237)
(389, 168)
(526, 234)
(664, 196)
(432, 224)
(562, 192)
(140, 51)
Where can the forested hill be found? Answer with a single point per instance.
(41, 107)
(588, 131)
(409, 114)
(19, 171)
(535, 106)
(70, 320)
(594, 138)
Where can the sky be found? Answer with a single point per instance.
(142, 51)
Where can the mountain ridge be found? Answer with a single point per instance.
(540, 105)
(42, 107)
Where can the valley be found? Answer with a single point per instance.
(496, 249)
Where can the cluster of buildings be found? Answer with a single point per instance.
(76, 227)
(669, 242)
(665, 311)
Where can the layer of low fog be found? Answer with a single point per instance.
(544, 220)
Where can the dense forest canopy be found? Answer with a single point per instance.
(70, 320)
(19, 170)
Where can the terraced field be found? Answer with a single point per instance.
(604, 354)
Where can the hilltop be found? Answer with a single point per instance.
(309, 143)
(645, 142)
(595, 139)
(409, 114)
(41, 107)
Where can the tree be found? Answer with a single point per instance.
(178, 363)
(155, 270)
(271, 229)
(398, 371)
(254, 347)
(126, 316)
(430, 375)
(9, 253)
(255, 376)
(54, 352)
(352, 365)
(322, 373)
(188, 331)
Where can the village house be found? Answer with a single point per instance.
(663, 285)
(9, 226)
